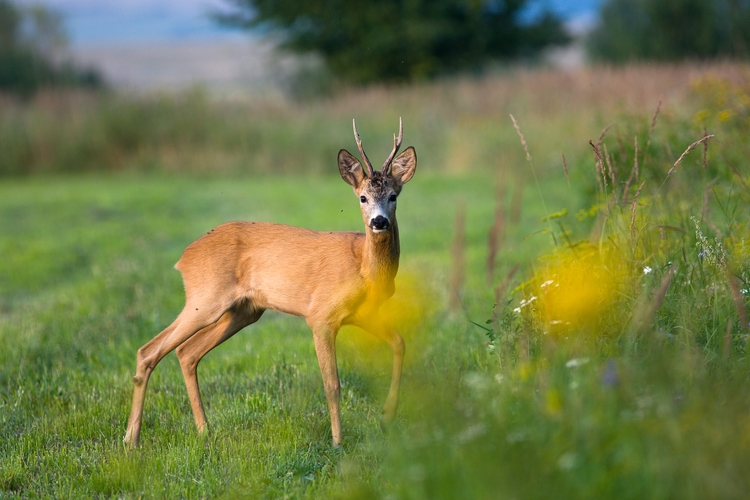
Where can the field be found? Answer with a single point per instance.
(575, 328)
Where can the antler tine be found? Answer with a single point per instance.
(396, 146)
(370, 171)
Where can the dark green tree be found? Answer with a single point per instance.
(28, 39)
(364, 41)
(669, 30)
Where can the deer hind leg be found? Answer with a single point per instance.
(325, 348)
(390, 336)
(190, 320)
(193, 349)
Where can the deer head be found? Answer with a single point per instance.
(378, 190)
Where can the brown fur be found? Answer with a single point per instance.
(238, 270)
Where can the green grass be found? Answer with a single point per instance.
(87, 279)
(628, 400)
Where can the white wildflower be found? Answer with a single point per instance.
(713, 254)
(576, 362)
(524, 303)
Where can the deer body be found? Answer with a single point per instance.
(238, 270)
(257, 261)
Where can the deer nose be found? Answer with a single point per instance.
(380, 223)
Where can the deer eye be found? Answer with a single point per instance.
(362, 199)
(392, 198)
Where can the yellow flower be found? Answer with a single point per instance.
(702, 115)
(725, 115)
(576, 287)
(524, 370)
(553, 402)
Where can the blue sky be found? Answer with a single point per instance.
(97, 22)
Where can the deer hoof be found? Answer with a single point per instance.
(386, 420)
(129, 442)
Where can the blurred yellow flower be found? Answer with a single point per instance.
(725, 115)
(701, 116)
(577, 286)
(553, 402)
(524, 370)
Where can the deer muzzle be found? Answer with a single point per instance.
(379, 224)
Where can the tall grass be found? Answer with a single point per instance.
(620, 368)
(459, 124)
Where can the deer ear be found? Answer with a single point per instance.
(403, 167)
(350, 169)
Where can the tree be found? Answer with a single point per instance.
(364, 41)
(667, 30)
(29, 39)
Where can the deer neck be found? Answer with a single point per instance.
(380, 257)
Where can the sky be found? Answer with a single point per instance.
(95, 22)
(103, 22)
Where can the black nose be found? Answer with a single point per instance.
(380, 223)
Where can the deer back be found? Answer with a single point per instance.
(278, 267)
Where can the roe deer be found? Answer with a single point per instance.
(237, 270)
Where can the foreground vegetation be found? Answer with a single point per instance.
(603, 356)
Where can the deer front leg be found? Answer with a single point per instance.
(396, 342)
(325, 348)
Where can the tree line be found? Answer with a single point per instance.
(399, 41)
(30, 40)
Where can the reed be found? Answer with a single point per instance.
(458, 259)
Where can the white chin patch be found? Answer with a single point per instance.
(378, 230)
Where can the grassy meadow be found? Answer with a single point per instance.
(576, 327)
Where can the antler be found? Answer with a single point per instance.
(396, 145)
(370, 171)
